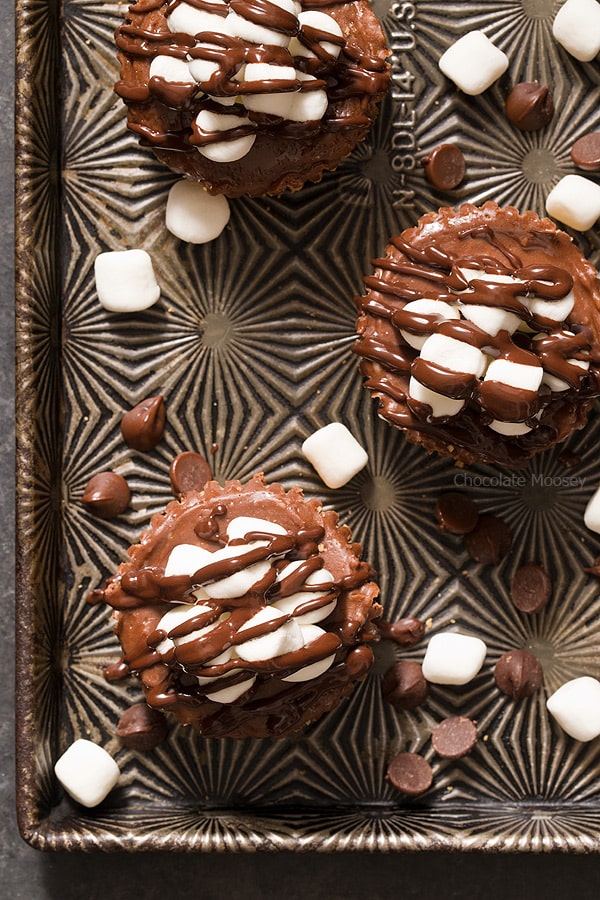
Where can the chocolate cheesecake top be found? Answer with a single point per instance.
(479, 334)
(245, 609)
(251, 96)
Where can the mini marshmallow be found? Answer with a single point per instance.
(574, 201)
(441, 406)
(87, 772)
(490, 319)
(125, 280)
(454, 355)
(307, 106)
(335, 454)
(510, 429)
(258, 34)
(576, 708)
(473, 63)
(240, 526)
(189, 20)
(453, 658)
(591, 516)
(274, 103)
(505, 371)
(226, 150)
(231, 694)
(577, 28)
(322, 22)
(288, 604)
(239, 583)
(556, 310)
(285, 639)
(171, 69)
(194, 215)
(427, 307)
(176, 616)
(313, 670)
(185, 559)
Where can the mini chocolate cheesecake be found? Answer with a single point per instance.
(251, 97)
(479, 334)
(245, 610)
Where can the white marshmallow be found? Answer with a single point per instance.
(441, 406)
(577, 28)
(189, 20)
(557, 384)
(275, 103)
(171, 69)
(307, 106)
(491, 319)
(125, 280)
(512, 429)
(427, 308)
(231, 694)
(557, 310)
(576, 707)
(335, 454)
(473, 63)
(87, 772)
(194, 215)
(285, 639)
(453, 658)
(574, 201)
(240, 526)
(224, 151)
(185, 559)
(288, 604)
(591, 516)
(517, 375)
(239, 583)
(258, 34)
(175, 617)
(322, 22)
(454, 355)
(313, 670)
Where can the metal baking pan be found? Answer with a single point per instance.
(251, 347)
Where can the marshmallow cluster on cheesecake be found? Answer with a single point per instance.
(479, 334)
(251, 97)
(245, 610)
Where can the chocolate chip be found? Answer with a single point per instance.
(444, 167)
(490, 540)
(529, 106)
(404, 685)
(359, 661)
(407, 632)
(410, 773)
(530, 588)
(456, 513)
(518, 673)
(189, 472)
(143, 426)
(106, 495)
(585, 152)
(454, 737)
(142, 728)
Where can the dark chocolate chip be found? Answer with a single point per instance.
(530, 588)
(359, 661)
(454, 737)
(143, 426)
(456, 513)
(407, 632)
(490, 540)
(404, 685)
(518, 673)
(529, 106)
(106, 495)
(189, 471)
(444, 167)
(410, 773)
(585, 152)
(142, 728)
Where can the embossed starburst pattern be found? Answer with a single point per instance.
(250, 344)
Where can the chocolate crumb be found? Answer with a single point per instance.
(189, 471)
(142, 728)
(529, 106)
(143, 426)
(594, 569)
(106, 495)
(407, 632)
(531, 588)
(456, 513)
(445, 167)
(454, 737)
(404, 685)
(410, 773)
(585, 152)
(569, 459)
(518, 674)
(490, 540)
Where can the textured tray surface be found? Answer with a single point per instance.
(250, 345)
